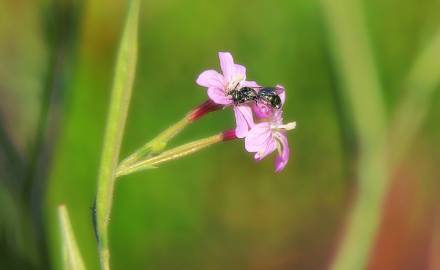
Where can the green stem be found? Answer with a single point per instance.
(362, 88)
(119, 103)
(172, 154)
(159, 143)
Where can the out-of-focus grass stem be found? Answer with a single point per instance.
(422, 81)
(363, 92)
(125, 70)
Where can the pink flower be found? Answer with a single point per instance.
(219, 86)
(266, 137)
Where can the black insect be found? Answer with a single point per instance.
(270, 96)
(243, 95)
(267, 95)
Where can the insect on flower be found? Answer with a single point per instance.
(243, 95)
(271, 96)
(222, 89)
(267, 95)
(248, 98)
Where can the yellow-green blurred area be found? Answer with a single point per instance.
(217, 209)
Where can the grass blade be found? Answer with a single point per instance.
(72, 259)
(119, 103)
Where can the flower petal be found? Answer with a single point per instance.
(258, 137)
(243, 119)
(227, 65)
(218, 96)
(239, 72)
(251, 84)
(211, 78)
(269, 148)
(262, 110)
(277, 117)
(283, 157)
(282, 94)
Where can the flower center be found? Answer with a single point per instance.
(234, 83)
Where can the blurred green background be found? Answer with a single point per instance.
(217, 209)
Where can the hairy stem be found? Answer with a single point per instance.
(172, 154)
(159, 143)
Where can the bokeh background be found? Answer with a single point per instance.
(217, 209)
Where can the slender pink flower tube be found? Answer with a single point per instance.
(229, 135)
(201, 110)
(219, 87)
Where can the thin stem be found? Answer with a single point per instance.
(119, 103)
(159, 143)
(172, 154)
(363, 91)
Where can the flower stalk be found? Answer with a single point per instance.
(174, 153)
(159, 143)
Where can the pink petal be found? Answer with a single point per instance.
(227, 65)
(218, 96)
(283, 157)
(282, 94)
(244, 120)
(211, 78)
(258, 137)
(249, 84)
(269, 148)
(239, 71)
(277, 117)
(262, 110)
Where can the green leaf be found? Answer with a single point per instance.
(120, 98)
(72, 259)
